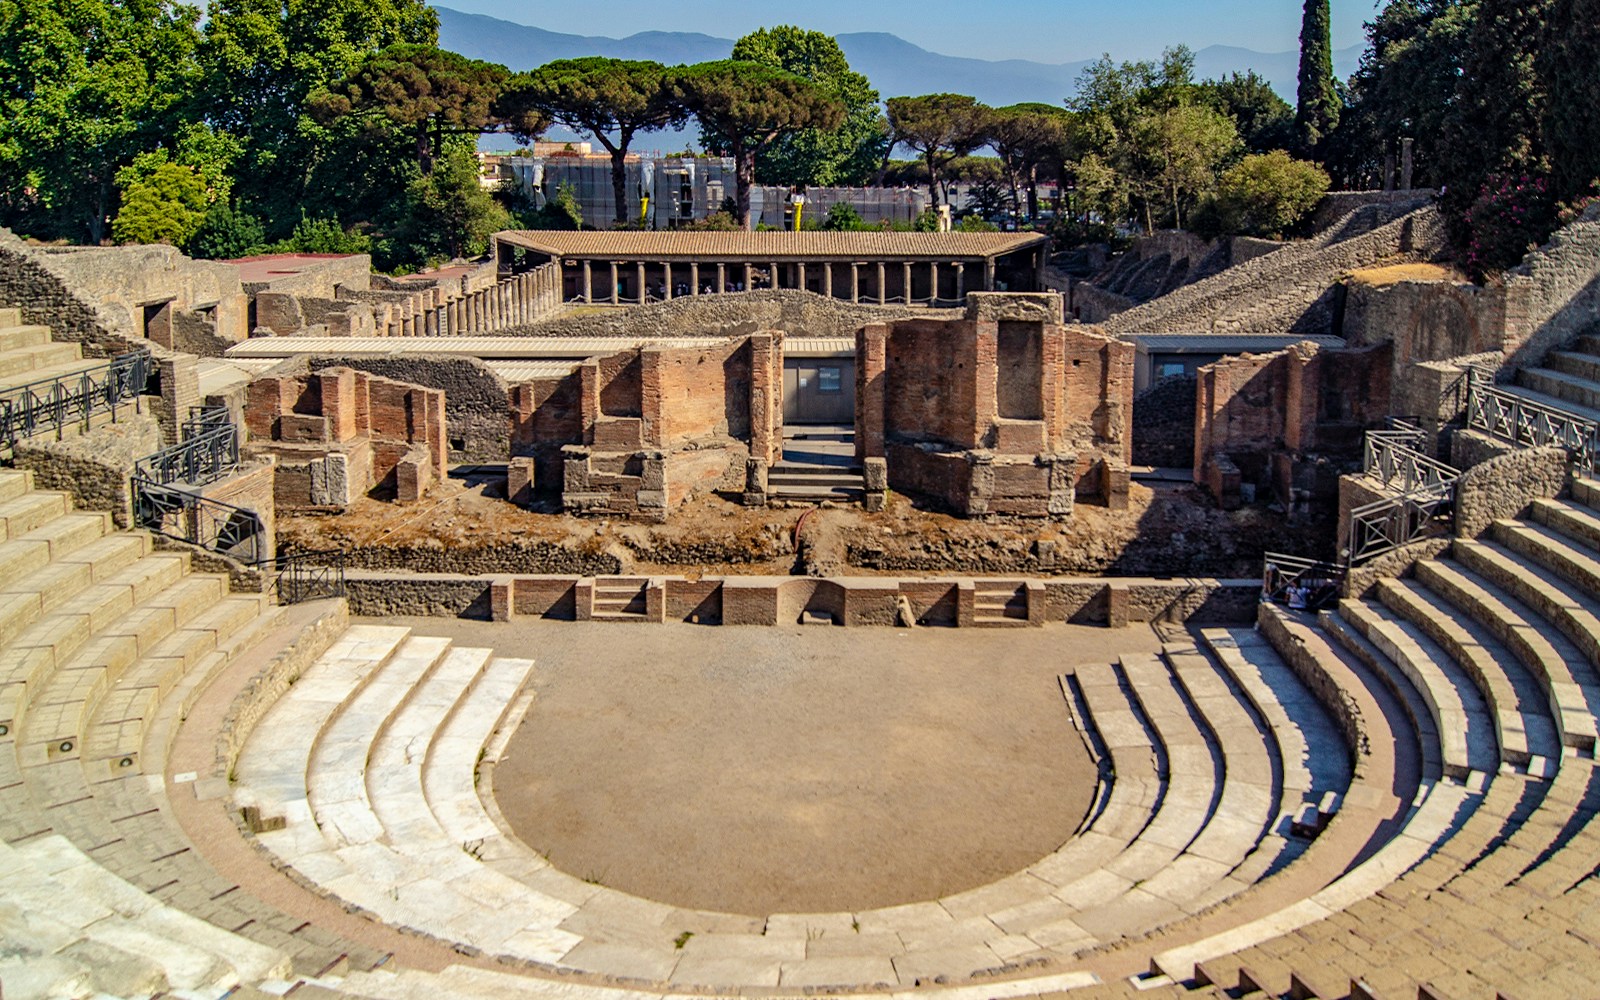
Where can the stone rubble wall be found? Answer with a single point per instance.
(94, 469)
(1504, 487)
(797, 313)
(1293, 289)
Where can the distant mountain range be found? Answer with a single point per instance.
(894, 65)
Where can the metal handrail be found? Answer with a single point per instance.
(207, 456)
(1299, 583)
(186, 516)
(1378, 528)
(1392, 458)
(307, 575)
(54, 403)
(1508, 417)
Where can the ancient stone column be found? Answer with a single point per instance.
(882, 285)
(800, 275)
(988, 274)
(933, 282)
(905, 280)
(588, 282)
(961, 280)
(666, 280)
(855, 283)
(613, 282)
(747, 273)
(694, 278)
(722, 277)
(827, 279)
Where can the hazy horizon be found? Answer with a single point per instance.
(1019, 29)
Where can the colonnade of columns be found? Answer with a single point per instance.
(638, 282)
(514, 300)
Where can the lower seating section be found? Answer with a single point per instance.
(105, 635)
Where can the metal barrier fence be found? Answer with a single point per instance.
(308, 576)
(1424, 502)
(210, 453)
(1299, 583)
(189, 517)
(1510, 418)
(66, 400)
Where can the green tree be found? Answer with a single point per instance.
(165, 205)
(744, 107)
(1265, 194)
(84, 87)
(849, 154)
(1265, 120)
(611, 99)
(1317, 113)
(1030, 138)
(843, 218)
(1568, 65)
(1405, 87)
(940, 128)
(262, 59)
(227, 233)
(322, 235)
(1177, 152)
(448, 214)
(426, 90)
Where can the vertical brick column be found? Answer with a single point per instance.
(986, 378)
(654, 431)
(180, 389)
(588, 398)
(766, 368)
(872, 343)
(338, 389)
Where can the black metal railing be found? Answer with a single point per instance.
(204, 418)
(50, 405)
(307, 576)
(186, 516)
(1510, 418)
(1393, 459)
(210, 453)
(1299, 583)
(1383, 526)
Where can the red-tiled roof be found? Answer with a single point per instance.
(769, 246)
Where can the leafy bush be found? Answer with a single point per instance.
(167, 205)
(843, 218)
(1510, 216)
(1266, 194)
(975, 224)
(226, 233)
(322, 236)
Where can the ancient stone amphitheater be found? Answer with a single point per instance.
(206, 794)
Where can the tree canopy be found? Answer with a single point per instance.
(1317, 113)
(848, 154)
(940, 128)
(611, 99)
(744, 107)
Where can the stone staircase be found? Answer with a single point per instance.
(104, 641)
(999, 603)
(619, 598)
(28, 355)
(1566, 380)
(799, 483)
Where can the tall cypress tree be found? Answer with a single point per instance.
(1318, 111)
(1567, 62)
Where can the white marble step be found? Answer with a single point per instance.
(70, 906)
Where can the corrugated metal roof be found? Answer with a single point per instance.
(1226, 343)
(769, 246)
(818, 347)
(517, 348)
(527, 371)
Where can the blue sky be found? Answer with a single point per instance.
(1054, 31)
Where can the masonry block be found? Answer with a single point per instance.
(1119, 605)
(302, 428)
(500, 601)
(521, 480)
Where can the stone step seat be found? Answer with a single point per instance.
(1389, 781)
(1573, 611)
(73, 929)
(15, 334)
(1131, 767)
(28, 359)
(14, 483)
(1353, 647)
(1243, 825)
(1465, 725)
(1551, 550)
(1549, 823)
(29, 510)
(1314, 757)
(1570, 389)
(1575, 363)
(1109, 902)
(52, 642)
(156, 635)
(27, 598)
(34, 550)
(1574, 520)
(1524, 729)
(1568, 682)
(350, 690)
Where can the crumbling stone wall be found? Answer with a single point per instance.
(1163, 423)
(1295, 289)
(1005, 411)
(339, 433)
(1554, 296)
(476, 427)
(1504, 487)
(95, 468)
(797, 313)
(1280, 425)
(1337, 206)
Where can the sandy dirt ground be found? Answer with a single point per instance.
(766, 770)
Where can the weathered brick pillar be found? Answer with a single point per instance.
(653, 430)
(501, 608)
(766, 390)
(521, 480)
(986, 379)
(872, 344)
(875, 471)
(338, 389)
(588, 398)
(180, 389)
(755, 482)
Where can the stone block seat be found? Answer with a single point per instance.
(105, 640)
